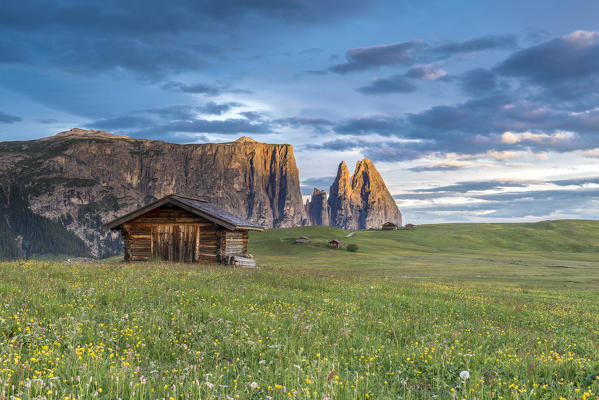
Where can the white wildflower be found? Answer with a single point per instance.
(464, 375)
(254, 385)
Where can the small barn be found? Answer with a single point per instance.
(389, 226)
(334, 244)
(182, 229)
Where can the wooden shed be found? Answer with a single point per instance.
(389, 226)
(182, 229)
(334, 244)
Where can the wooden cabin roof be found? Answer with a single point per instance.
(389, 224)
(199, 207)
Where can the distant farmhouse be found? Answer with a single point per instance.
(334, 244)
(181, 229)
(302, 240)
(389, 226)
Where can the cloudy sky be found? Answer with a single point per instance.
(471, 110)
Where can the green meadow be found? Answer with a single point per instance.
(453, 311)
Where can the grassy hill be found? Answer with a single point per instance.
(549, 253)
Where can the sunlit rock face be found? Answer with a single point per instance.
(362, 202)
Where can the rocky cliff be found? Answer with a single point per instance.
(317, 208)
(362, 202)
(79, 179)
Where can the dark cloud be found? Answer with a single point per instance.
(338, 145)
(566, 69)
(403, 83)
(394, 151)
(450, 49)
(572, 56)
(147, 38)
(213, 108)
(186, 112)
(480, 82)
(229, 126)
(170, 122)
(498, 122)
(414, 52)
(118, 124)
(197, 88)
(469, 186)
(317, 124)
(252, 115)
(207, 89)
(175, 112)
(190, 131)
(480, 124)
(393, 84)
(8, 119)
(443, 166)
(576, 181)
(396, 54)
(426, 72)
(377, 151)
(552, 105)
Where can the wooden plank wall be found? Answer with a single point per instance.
(171, 234)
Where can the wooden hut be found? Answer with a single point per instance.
(389, 226)
(334, 244)
(410, 226)
(182, 229)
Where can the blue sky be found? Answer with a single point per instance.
(472, 111)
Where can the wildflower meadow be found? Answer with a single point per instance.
(112, 330)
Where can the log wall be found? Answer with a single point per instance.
(236, 243)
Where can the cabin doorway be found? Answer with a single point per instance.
(176, 242)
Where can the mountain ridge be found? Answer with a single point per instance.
(80, 178)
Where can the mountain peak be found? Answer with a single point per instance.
(245, 139)
(365, 203)
(366, 162)
(90, 133)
